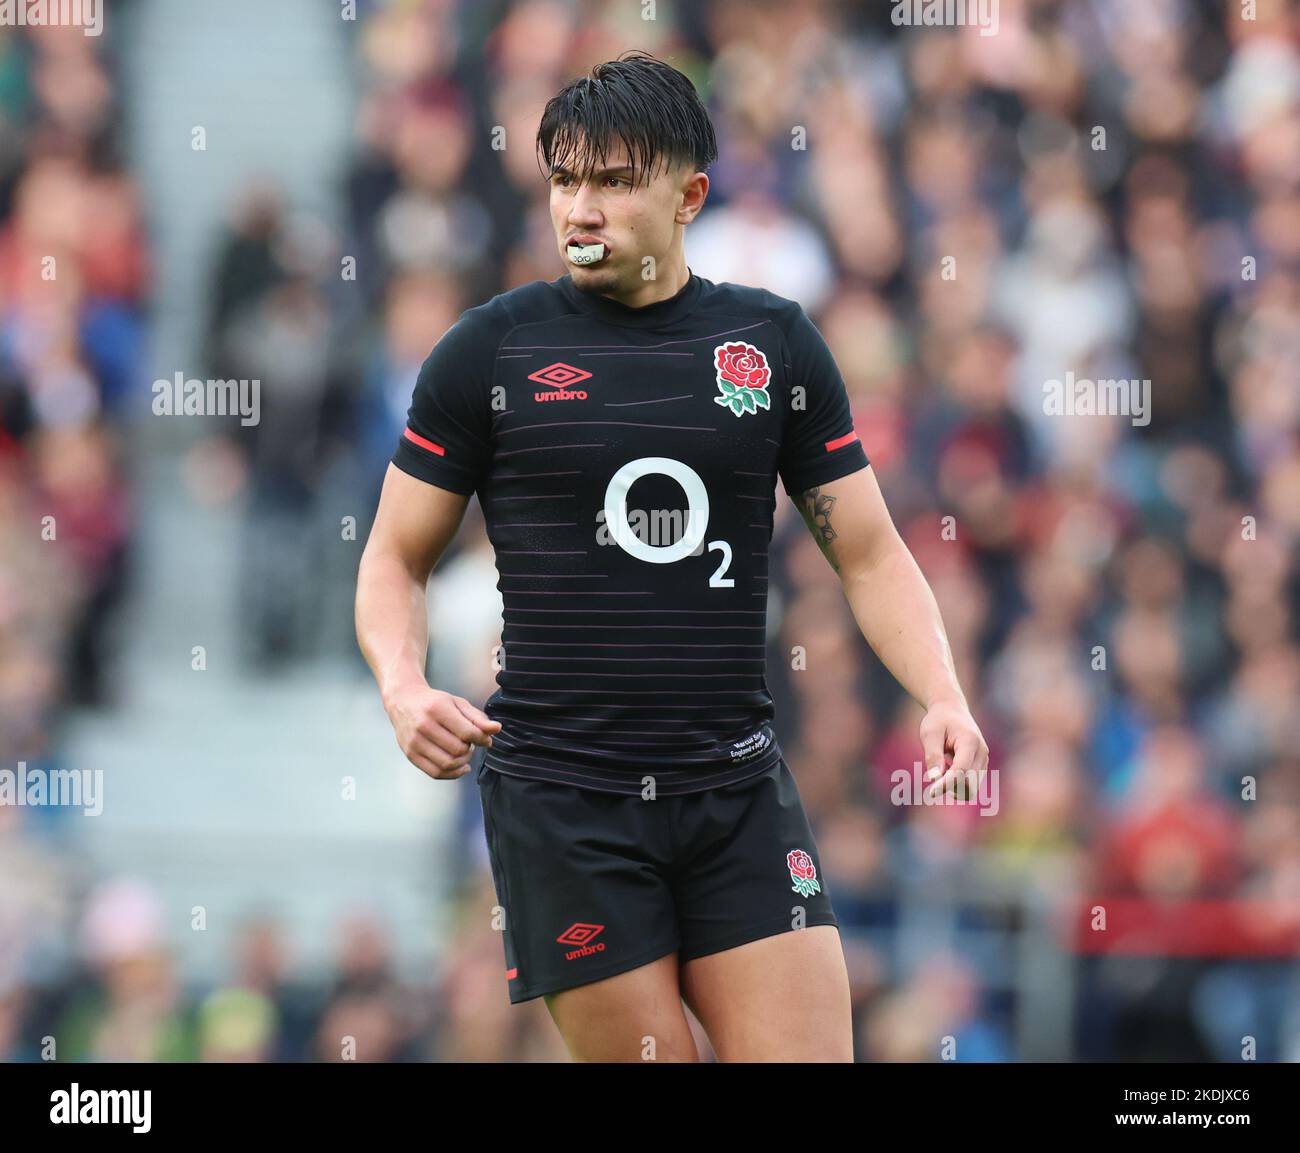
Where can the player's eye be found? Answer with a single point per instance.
(618, 180)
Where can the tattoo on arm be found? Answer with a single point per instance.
(815, 506)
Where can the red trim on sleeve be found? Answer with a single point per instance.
(416, 438)
(841, 441)
(511, 974)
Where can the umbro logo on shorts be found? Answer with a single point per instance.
(560, 376)
(579, 933)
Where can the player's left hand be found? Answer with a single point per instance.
(956, 754)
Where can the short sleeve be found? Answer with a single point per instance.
(447, 440)
(819, 444)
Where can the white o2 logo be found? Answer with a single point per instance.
(697, 515)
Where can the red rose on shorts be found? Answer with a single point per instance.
(742, 364)
(803, 873)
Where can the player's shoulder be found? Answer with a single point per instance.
(486, 325)
(747, 300)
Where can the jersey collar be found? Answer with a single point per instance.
(657, 315)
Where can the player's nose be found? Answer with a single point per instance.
(583, 211)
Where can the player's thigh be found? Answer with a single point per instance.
(579, 876)
(780, 998)
(762, 964)
(634, 1016)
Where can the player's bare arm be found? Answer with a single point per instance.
(900, 619)
(413, 526)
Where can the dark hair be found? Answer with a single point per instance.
(646, 104)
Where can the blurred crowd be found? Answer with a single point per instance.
(1104, 188)
(74, 282)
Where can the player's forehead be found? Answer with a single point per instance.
(582, 159)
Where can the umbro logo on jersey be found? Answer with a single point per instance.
(579, 934)
(560, 376)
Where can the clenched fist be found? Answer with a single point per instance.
(955, 751)
(438, 731)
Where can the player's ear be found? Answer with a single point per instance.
(695, 189)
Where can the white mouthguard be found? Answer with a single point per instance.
(586, 253)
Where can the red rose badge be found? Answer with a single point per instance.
(743, 375)
(803, 873)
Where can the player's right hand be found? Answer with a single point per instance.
(438, 731)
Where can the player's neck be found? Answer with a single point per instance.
(646, 292)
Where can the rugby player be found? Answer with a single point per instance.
(647, 840)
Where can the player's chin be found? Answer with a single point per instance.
(595, 277)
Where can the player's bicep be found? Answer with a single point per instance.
(849, 520)
(415, 521)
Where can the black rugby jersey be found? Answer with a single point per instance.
(626, 462)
